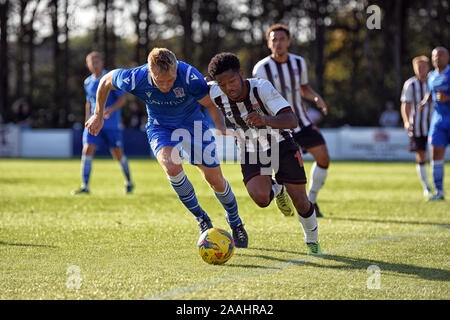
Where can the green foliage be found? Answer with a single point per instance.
(360, 70)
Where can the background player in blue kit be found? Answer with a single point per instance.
(439, 135)
(111, 133)
(173, 92)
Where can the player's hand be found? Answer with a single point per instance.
(107, 113)
(321, 105)
(255, 119)
(421, 105)
(94, 124)
(442, 97)
(407, 126)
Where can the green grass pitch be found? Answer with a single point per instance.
(109, 245)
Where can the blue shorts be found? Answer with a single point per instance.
(439, 134)
(194, 142)
(111, 137)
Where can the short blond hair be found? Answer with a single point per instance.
(418, 59)
(162, 60)
(94, 54)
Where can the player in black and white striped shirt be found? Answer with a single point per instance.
(416, 121)
(288, 74)
(256, 107)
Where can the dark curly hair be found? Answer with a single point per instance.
(222, 62)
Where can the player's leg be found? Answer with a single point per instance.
(292, 174)
(222, 190)
(169, 159)
(439, 139)
(306, 216)
(437, 171)
(260, 190)
(318, 173)
(421, 168)
(87, 154)
(118, 155)
(311, 140)
(114, 139)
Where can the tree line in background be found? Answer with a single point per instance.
(355, 68)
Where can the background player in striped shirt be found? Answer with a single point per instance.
(256, 107)
(173, 92)
(288, 74)
(111, 133)
(417, 122)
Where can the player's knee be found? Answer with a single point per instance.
(262, 199)
(88, 149)
(172, 169)
(323, 161)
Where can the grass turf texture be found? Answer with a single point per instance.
(143, 245)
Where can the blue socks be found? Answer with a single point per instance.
(185, 191)
(126, 171)
(86, 166)
(228, 201)
(437, 169)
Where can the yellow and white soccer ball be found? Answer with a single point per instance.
(216, 246)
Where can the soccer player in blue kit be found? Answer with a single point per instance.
(110, 134)
(439, 135)
(173, 92)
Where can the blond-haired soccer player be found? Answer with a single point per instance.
(111, 133)
(417, 122)
(173, 92)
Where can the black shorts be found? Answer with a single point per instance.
(309, 137)
(418, 143)
(290, 164)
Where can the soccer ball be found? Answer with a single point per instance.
(216, 246)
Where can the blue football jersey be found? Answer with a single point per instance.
(90, 86)
(172, 109)
(440, 82)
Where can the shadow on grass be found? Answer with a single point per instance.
(2, 243)
(251, 266)
(430, 223)
(349, 263)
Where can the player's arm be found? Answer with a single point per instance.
(284, 119)
(95, 122)
(405, 111)
(442, 97)
(308, 93)
(424, 101)
(215, 113)
(87, 111)
(119, 104)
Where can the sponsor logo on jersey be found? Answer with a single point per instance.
(179, 92)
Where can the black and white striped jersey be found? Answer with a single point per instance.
(287, 78)
(262, 98)
(413, 92)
